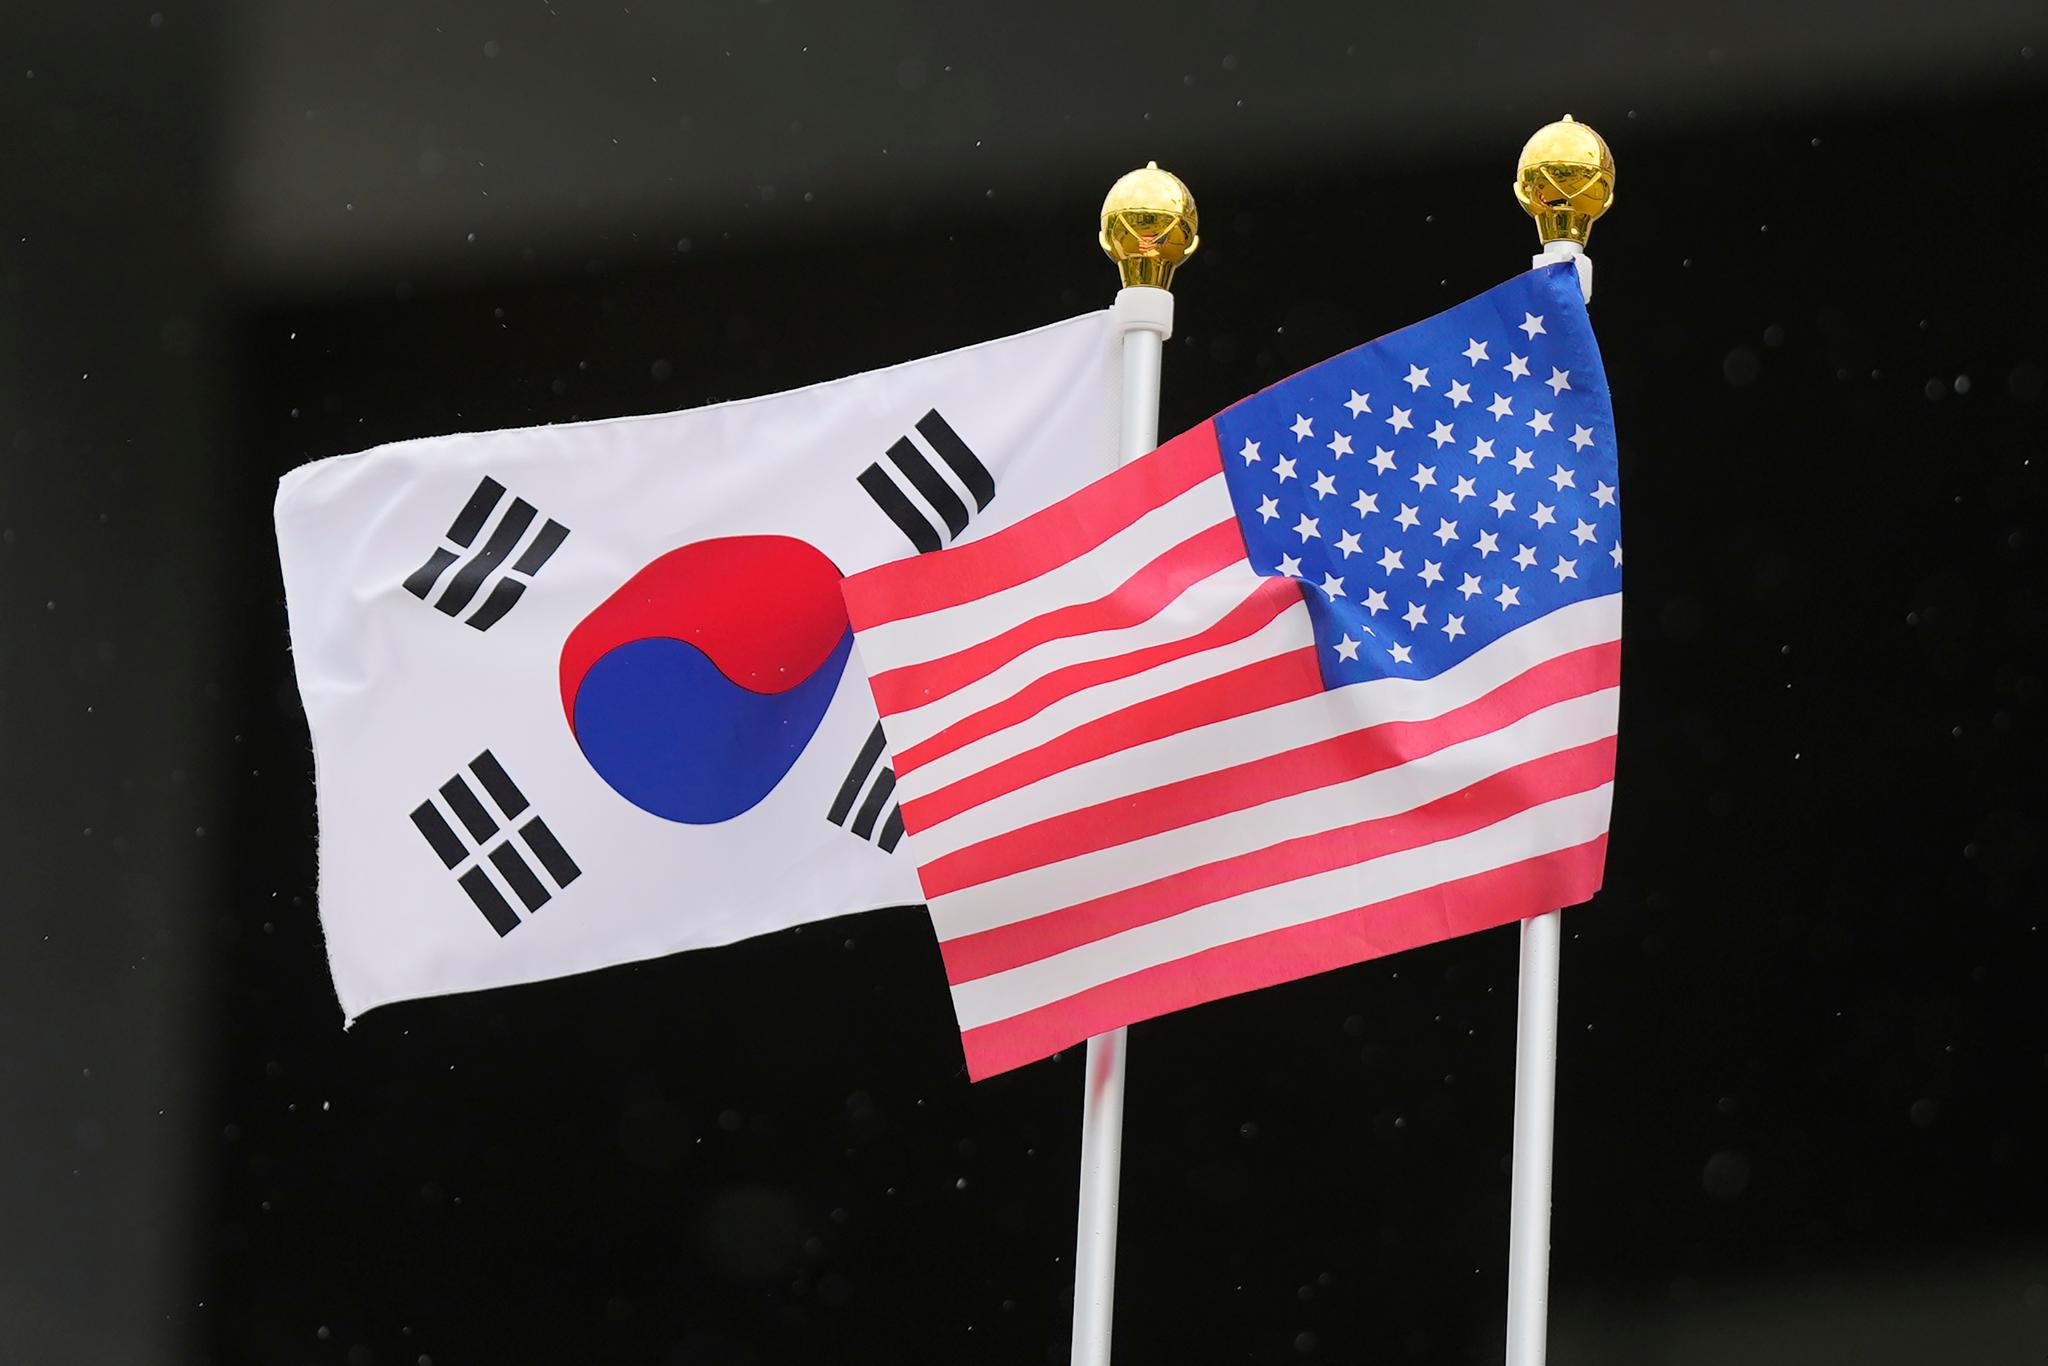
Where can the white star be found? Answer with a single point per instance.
(1250, 452)
(1359, 403)
(1290, 566)
(1584, 532)
(1582, 437)
(1306, 527)
(1482, 449)
(1432, 573)
(1347, 648)
(1603, 494)
(1488, 542)
(1470, 587)
(1442, 435)
(1367, 503)
(1424, 476)
(1454, 627)
(1565, 569)
(1476, 352)
(1398, 419)
(1416, 615)
(1401, 654)
(1502, 406)
(1284, 468)
(1503, 502)
(1375, 601)
(1446, 531)
(1522, 463)
(1509, 597)
(1332, 586)
(1559, 381)
(1540, 423)
(1382, 459)
(1302, 427)
(1615, 554)
(1531, 325)
(1460, 394)
(1463, 489)
(1324, 485)
(1348, 543)
(1526, 557)
(1269, 508)
(1417, 379)
(1517, 366)
(1562, 480)
(1544, 514)
(1340, 445)
(1390, 559)
(1406, 517)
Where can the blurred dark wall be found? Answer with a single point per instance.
(1801, 1077)
(468, 136)
(114, 487)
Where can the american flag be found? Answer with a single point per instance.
(1331, 675)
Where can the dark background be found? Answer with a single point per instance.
(1804, 1048)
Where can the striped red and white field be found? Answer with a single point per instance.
(1128, 792)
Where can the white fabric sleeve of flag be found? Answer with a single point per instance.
(586, 694)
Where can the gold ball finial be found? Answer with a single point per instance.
(1565, 180)
(1149, 226)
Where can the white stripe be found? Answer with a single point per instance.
(1200, 605)
(1260, 734)
(933, 635)
(1389, 792)
(1545, 829)
(1288, 631)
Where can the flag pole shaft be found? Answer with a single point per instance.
(1145, 316)
(1102, 1144)
(1536, 1081)
(1535, 1110)
(1565, 180)
(1148, 229)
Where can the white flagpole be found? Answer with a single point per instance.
(1535, 1105)
(1565, 181)
(1148, 228)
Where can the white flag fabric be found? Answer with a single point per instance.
(586, 694)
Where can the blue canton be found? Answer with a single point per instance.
(1440, 487)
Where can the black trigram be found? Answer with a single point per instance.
(487, 561)
(495, 842)
(938, 514)
(877, 781)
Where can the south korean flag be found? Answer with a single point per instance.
(587, 694)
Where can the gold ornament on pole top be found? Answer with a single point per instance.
(1565, 180)
(1149, 226)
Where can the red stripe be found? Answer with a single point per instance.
(1490, 800)
(1531, 887)
(1241, 691)
(1268, 600)
(1303, 769)
(1138, 598)
(1041, 542)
